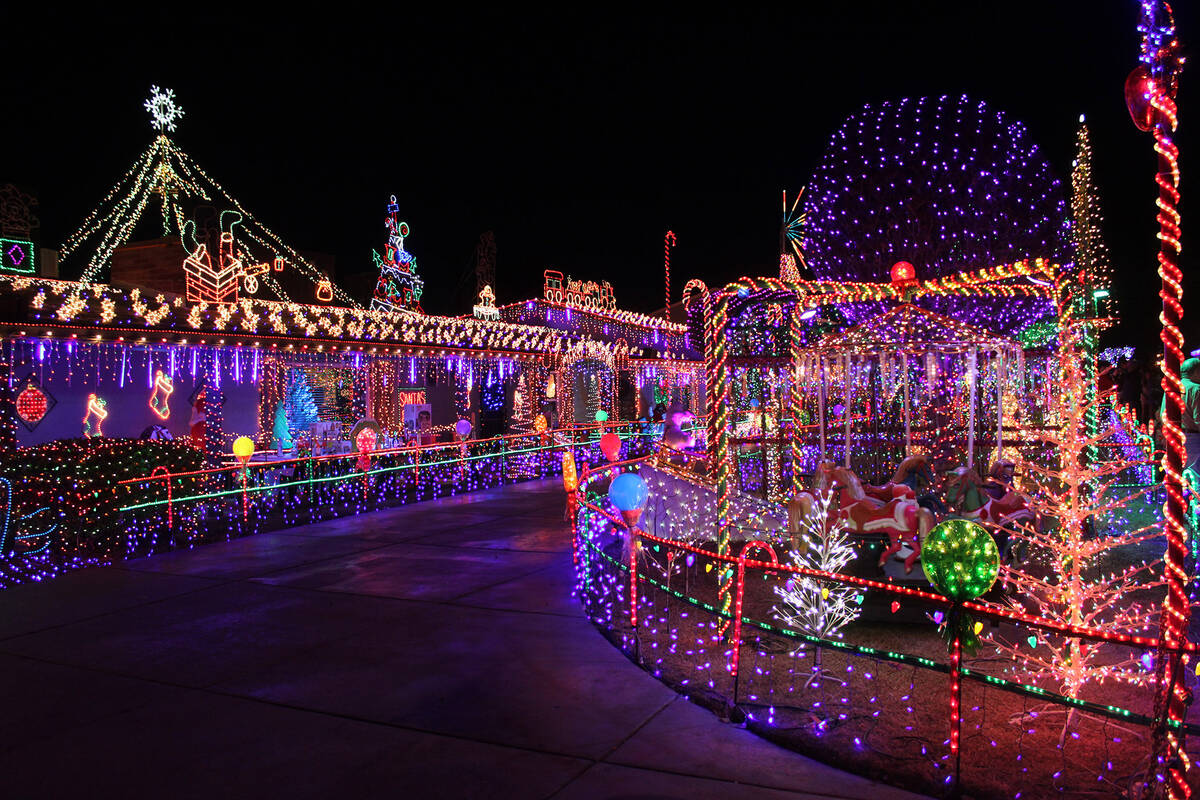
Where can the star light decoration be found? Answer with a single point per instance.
(163, 109)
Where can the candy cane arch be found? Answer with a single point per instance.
(1156, 80)
(668, 243)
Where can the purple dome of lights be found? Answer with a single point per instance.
(945, 183)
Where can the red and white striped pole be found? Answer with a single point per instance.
(668, 243)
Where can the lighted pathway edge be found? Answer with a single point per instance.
(433, 647)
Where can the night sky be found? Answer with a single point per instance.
(579, 137)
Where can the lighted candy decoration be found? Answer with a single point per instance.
(610, 446)
(463, 428)
(629, 493)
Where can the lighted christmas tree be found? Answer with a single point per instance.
(281, 437)
(1080, 566)
(812, 605)
(298, 403)
(1092, 278)
(399, 288)
(1092, 267)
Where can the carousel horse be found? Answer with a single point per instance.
(891, 509)
(971, 499)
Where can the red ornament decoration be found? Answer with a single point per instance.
(903, 273)
(1139, 87)
(33, 403)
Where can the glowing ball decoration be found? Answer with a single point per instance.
(243, 448)
(610, 446)
(602, 416)
(539, 423)
(903, 273)
(629, 493)
(944, 182)
(366, 440)
(961, 559)
(463, 428)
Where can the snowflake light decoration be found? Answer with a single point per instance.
(163, 109)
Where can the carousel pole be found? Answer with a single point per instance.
(999, 404)
(821, 404)
(972, 362)
(849, 403)
(907, 406)
(797, 377)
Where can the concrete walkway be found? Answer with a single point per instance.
(430, 651)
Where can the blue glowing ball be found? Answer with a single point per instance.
(628, 492)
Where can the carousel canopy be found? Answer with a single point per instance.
(913, 329)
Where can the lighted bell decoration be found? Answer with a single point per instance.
(610, 446)
(629, 493)
(961, 559)
(243, 448)
(463, 428)
(569, 475)
(1139, 87)
(602, 416)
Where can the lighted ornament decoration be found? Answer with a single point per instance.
(17, 257)
(945, 182)
(164, 111)
(161, 396)
(962, 561)
(629, 493)
(610, 446)
(33, 403)
(602, 416)
(903, 273)
(463, 428)
(366, 435)
(539, 423)
(960, 558)
(96, 413)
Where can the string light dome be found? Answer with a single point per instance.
(948, 184)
